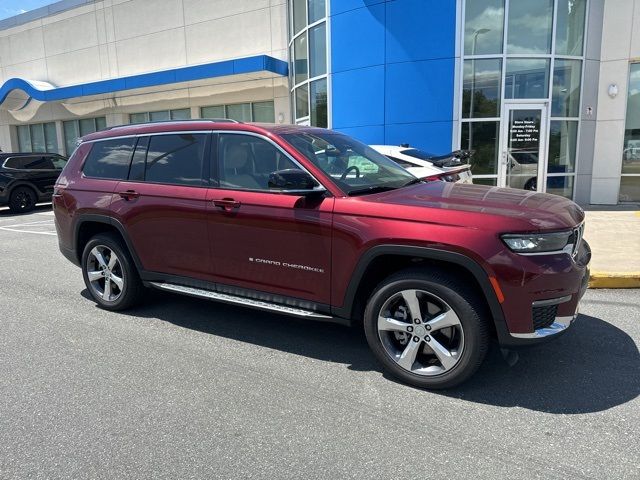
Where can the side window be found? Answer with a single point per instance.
(402, 163)
(40, 163)
(176, 159)
(59, 162)
(136, 173)
(109, 159)
(245, 161)
(17, 163)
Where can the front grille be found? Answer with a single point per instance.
(544, 316)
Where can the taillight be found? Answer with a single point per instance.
(448, 176)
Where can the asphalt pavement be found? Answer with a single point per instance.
(185, 388)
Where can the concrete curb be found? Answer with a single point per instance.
(614, 280)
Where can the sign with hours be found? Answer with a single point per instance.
(524, 132)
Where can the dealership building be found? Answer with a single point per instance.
(546, 92)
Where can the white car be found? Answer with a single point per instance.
(449, 167)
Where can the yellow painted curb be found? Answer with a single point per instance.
(614, 280)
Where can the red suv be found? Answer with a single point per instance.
(312, 223)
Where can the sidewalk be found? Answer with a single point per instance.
(614, 237)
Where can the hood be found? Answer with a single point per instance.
(526, 210)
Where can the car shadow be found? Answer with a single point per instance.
(40, 207)
(594, 367)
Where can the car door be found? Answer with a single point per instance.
(262, 240)
(162, 204)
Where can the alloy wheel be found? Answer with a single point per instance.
(421, 332)
(105, 274)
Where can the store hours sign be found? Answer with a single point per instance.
(524, 132)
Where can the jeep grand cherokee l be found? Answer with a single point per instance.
(312, 223)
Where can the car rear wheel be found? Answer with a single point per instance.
(22, 200)
(427, 329)
(110, 274)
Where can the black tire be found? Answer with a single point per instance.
(469, 310)
(132, 289)
(22, 200)
(532, 184)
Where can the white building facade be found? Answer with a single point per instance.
(438, 74)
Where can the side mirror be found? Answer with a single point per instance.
(294, 182)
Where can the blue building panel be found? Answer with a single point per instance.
(420, 30)
(419, 91)
(363, 31)
(358, 97)
(434, 137)
(393, 71)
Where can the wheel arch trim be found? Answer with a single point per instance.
(107, 220)
(480, 275)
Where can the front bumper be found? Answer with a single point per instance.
(561, 311)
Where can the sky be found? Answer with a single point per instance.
(9, 8)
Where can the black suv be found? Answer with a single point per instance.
(28, 178)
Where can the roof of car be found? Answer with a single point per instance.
(27, 154)
(196, 124)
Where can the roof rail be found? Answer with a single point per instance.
(212, 120)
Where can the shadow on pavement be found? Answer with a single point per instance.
(41, 207)
(594, 367)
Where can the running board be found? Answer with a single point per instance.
(243, 301)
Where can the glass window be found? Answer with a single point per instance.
(71, 135)
(562, 146)
(24, 138)
(318, 50)
(136, 172)
(216, 111)
(484, 20)
(50, 137)
(263, 112)
(59, 162)
(302, 101)
(570, 27)
(240, 112)
(481, 88)
(565, 100)
(38, 143)
(139, 117)
(39, 163)
(299, 15)
(485, 181)
(245, 161)
(160, 116)
(629, 189)
(175, 159)
(562, 186)
(529, 27)
(319, 103)
(317, 10)
(527, 78)
(483, 138)
(109, 159)
(87, 125)
(181, 114)
(300, 58)
(101, 123)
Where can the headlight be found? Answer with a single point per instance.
(538, 242)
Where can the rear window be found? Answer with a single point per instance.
(109, 159)
(176, 159)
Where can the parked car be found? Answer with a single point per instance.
(451, 167)
(260, 216)
(28, 178)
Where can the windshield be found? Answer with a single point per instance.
(355, 167)
(419, 154)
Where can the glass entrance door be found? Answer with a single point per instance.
(524, 146)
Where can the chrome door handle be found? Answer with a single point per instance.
(129, 194)
(227, 204)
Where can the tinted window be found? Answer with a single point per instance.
(109, 159)
(176, 159)
(136, 173)
(245, 161)
(59, 162)
(30, 163)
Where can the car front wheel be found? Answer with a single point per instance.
(428, 329)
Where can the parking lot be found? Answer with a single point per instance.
(184, 388)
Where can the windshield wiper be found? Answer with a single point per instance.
(371, 189)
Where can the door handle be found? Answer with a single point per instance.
(227, 204)
(129, 194)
